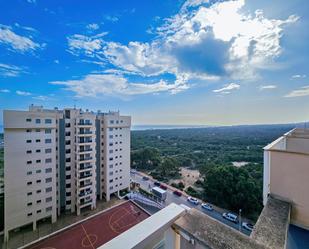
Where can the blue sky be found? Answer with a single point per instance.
(192, 62)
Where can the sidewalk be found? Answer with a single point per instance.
(26, 235)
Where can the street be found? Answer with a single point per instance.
(148, 184)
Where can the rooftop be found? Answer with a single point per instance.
(95, 231)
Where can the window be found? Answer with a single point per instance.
(68, 177)
(110, 166)
(111, 180)
(68, 185)
(29, 173)
(38, 171)
(38, 191)
(110, 129)
(67, 142)
(68, 202)
(111, 151)
(47, 180)
(38, 181)
(68, 194)
(29, 214)
(110, 136)
(29, 151)
(38, 140)
(48, 141)
(28, 141)
(38, 211)
(48, 151)
(111, 121)
(48, 209)
(38, 201)
(49, 189)
(29, 162)
(48, 160)
(48, 131)
(111, 187)
(29, 193)
(28, 120)
(68, 151)
(110, 158)
(48, 170)
(38, 121)
(48, 121)
(28, 130)
(29, 183)
(68, 160)
(38, 161)
(38, 151)
(29, 204)
(37, 130)
(111, 173)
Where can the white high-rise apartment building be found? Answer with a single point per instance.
(62, 161)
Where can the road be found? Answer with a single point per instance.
(147, 185)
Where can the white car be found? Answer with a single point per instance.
(192, 200)
(247, 226)
(207, 206)
(230, 217)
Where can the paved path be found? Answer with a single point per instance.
(216, 213)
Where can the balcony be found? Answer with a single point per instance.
(85, 167)
(85, 159)
(84, 123)
(82, 141)
(84, 194)
(85, 133)
(83, 176)
(85, 202)
(85, 185)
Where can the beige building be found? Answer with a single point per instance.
(62, 161)
(286, 173)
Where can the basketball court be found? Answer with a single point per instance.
(95, 231)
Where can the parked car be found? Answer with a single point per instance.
(230, 217)
(163, 186)
(145, 178)
(157, 184)
(207, 206)
(247, 226)
(178, 193)
(192, 200)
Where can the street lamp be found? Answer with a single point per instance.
(239, 219)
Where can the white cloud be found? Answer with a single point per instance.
(10, 70)
(116, 85)
(89, 45)
(227, 88)
(203, 41)
(268, 87)
(17, 42)
(92, 26)
(22, 93)
(31, 1)
(42, 98)
(56, 61)
(112, 18)
(5, 91)
(299, 76)
(303, 91)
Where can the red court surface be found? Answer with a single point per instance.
(96, 231)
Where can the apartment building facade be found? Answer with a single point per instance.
(61, 161)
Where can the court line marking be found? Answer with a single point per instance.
(87, 237)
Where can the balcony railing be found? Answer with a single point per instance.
(85, 150)
(85, 193)
(85, 141)
(85, 159)
(85, 176)
(85, 132)
(85, 185)
(85, 167)
(82, 202)
(84, 123)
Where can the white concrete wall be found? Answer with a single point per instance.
(19, 172)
